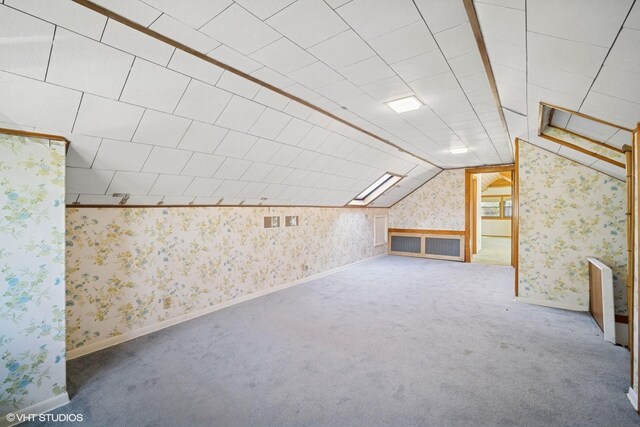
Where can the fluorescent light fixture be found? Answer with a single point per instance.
(459, 150)
(402, 105)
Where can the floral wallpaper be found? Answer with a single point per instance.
(121, 262)
(567, 213)
(437, 205)
(32, 323)
(584, 143)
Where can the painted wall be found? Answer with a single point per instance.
(32, 284)
(437, 205)
(496, 227)
(122, 262)
(567, 213)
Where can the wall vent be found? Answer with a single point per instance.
(439, 244)
(408, 244)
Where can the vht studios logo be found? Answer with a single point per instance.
(54, 418)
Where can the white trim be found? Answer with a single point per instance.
(109, 342)
(622, 334)
(606, 290)
(553, 304)
(633, 398)
(39, 408)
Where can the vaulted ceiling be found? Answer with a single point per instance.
(290, 110)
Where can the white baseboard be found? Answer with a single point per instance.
(553, 304)
(633, 398)
(109, 342)
(39, 408)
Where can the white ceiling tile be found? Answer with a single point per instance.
(623, 54)
(195, 67)
(152, 86)
(387, 89)
(240, 30)
(314, 138)
(81, 63)
(161, 129)
(373, 18)
(177, 200)
(135, 10)
(308, 22)
(64, 13)
(285, 155)
(202, 102)
(343, 89)
(142, 200)
(434, 84)
(296, 177)
(232, 169)
(404, 43)
(294, 131)
(192, 12)
(442, 14)
(621, 138)
(298, 110)
(315, 75)
(257, 172)
(283, 56)
(134, 183)
(278, 174)
(610, 169)
(235, 59)
(270, 124)
(367, 71)
(121, 155)
(170, 185)
(421, 66)
(202, 165)
(202, 137)
(270, 98)
(87, 181)
(166, 160)
(129, 40)
(618, 83)
(466, 65)
(559, 80)
(343, 50)
(236, 144)
(457, 41)
(566, 55)
(26, 107)
(107, 118)
(82, 150)
(70, 198)
(262, 150)
(176, 30)
(272, 191)
(319, 119)
(240, 114)
(614, 110)
(98, 199)
(633, 20)
(264, 8)
(238, 85)
(229, 189)
(593, 22)
(202, 187)
(26, 43)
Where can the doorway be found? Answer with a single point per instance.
(490, 215)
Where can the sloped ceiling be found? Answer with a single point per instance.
(582, 55)
(154, 122)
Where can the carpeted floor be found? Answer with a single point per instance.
(391, 342)
(495, 251)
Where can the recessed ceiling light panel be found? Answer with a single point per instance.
(403, 105)
(459, 150)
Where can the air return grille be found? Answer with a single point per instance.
(406, 244)
(440, 244)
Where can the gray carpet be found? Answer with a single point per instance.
(391, 342)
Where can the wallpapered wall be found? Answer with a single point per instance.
(32, 287)
(122, 262)
(567, 213)
(437, 205)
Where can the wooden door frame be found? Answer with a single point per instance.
(514, 214)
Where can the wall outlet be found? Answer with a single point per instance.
(166, 303)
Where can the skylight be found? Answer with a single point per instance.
(376, 189)
(403, 105)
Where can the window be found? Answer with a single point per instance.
(496, 207)
(376, 189)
